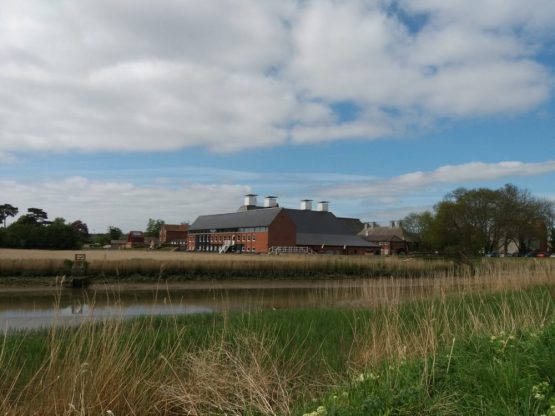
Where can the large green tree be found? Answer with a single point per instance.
(477, 221)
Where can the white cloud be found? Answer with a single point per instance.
(236, 74)
(128, 205)
(122, 204)
(416, 182)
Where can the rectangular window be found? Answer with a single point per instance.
(248, 238)
(253, 237)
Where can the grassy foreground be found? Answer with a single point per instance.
(452, 355)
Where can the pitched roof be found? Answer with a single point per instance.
(355, 225)
(388, 234)
(252, 218)
(316, 222)
(315, 228)
(317, 239)
(175, 227)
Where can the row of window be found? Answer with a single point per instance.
(206, 238)
(217, 248)
(253, 229)
(234, 230)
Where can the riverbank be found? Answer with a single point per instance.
(149, 266)
(41, 268)
(420, 357)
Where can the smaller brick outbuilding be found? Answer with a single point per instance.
(135, 239)
(391, 240)
(172, 234)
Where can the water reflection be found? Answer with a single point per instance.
(42, 309)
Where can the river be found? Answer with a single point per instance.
(29, 308)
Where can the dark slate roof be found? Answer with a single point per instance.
(315, 228)
(252, 218)
(355, 225)
(317, 239)
(316, 222)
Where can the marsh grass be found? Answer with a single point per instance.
(269, 362)
(145, 265)
(277, 362)
(193, 266)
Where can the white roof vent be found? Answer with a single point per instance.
(306, 204)
(323, 206)
(270, 202)
(250, 200)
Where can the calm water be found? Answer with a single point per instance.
(19, 310)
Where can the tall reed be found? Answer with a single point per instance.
(146, 265)
(257, 363)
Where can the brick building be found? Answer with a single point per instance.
(135, 239)
(262, 229)
(174, 234)
(391, 240)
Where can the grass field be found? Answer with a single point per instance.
(153, 265)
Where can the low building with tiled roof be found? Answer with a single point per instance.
(391, 240)
(270, 228)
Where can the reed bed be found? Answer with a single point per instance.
(263, 363)
(144, 265)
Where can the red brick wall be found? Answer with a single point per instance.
(175, 235)
(341, 250)
(282, 232)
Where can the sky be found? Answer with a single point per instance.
(114, 112)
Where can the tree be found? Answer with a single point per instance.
(417, 222)
(523, 218)
(477, 221)
(81, 228)
(114, 233)
(153, 227)
(7, 210)
(34, 216)
(420, 223)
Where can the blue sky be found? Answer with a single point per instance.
(114, 114)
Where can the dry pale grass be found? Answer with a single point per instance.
(200, 258)
(233, 378)
(161, 264)
(114, 263)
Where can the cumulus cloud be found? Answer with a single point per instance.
(236, 74)
(415, 182)
(122, 204)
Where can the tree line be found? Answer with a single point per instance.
(34, 230)
(479, 221)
